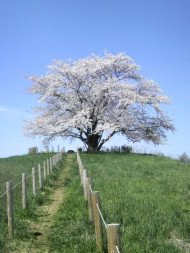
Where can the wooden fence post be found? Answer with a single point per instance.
(24, 192)
(40, 176)
(84, 183)
(45, 172)
(34, 181)
(10, 209)
(89, 194)
(50, 162)
(97, 220)
(47, 167)
(113, 236)
(82, 169)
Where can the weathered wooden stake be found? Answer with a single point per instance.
(34, 181)
(40, 176)
(81, 175)
(24, 192)
(54, 160)
(50, 162)
(113, 236)
(97, 220)
(84, 183)
(45, 171)
(79, 169)
(47, 167)
(89, 194)
(10, 209)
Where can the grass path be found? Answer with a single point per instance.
(41, 228)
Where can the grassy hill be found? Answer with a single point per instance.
(148, 195)
(11, 170)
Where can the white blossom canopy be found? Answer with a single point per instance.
(94, 98)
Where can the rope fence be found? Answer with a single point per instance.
(36, 184)
(96, 216)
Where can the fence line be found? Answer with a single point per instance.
(95, 214)
(9, 189)
(12, 189)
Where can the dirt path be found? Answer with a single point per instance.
(181, 244)
(40, 229)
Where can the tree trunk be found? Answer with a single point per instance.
(91, 148)
(93, 142)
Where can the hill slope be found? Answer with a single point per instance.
(148, 195)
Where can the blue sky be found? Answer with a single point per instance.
(155, 33)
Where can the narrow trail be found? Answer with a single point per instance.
(181, 244)
(41, 228)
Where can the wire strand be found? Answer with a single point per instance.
(29, 176)
(12, 189)
(90, 188)
(17, 185)
(101, 216)
(117, 248)
(3, 194)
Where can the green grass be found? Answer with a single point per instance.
(148, 195)
(11, 169)
(72, 231)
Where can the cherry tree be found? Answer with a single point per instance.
(95, 98)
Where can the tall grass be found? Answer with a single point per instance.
(148, 195)
(11, 169)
